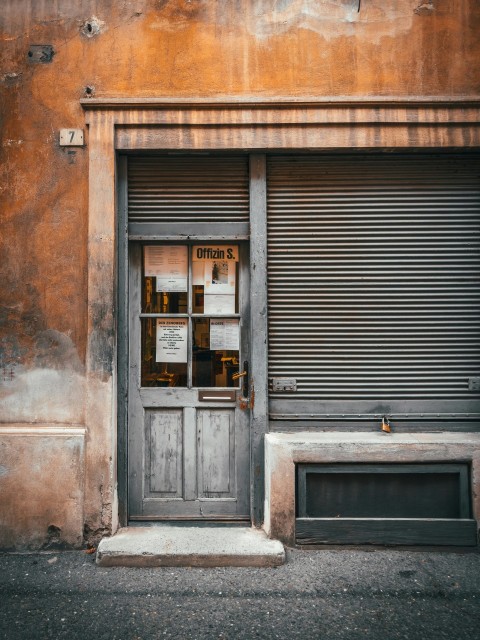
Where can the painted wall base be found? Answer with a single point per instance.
(42, 469)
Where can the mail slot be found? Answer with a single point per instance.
(211, 395)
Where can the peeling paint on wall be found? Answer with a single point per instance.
(92, 27)
(425, 9)
(331, 19)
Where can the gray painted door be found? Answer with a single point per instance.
(188, 418)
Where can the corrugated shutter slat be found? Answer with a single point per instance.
(373, 275)
(188, 189)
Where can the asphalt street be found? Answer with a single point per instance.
(334, 594)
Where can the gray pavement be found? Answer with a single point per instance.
(337, 594)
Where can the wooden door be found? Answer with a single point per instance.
(188, 416)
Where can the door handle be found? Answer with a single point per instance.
(243, 374)
(246, 386)
(236, 376)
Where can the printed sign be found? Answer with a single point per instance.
(172, 340)
(219, 304)
(222, 252)
(198, 273)
(169, 264)
(220, 277)
(224, 334)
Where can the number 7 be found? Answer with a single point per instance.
(72, 135)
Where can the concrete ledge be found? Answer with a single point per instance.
(174, 546)
(284, 450)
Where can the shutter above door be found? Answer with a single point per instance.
(179, 196)
(373, 288)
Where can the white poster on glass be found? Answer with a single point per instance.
(215, 304)
(224, 335)
(198, 273)
(220, 277)
(169, 264)
(172, 340)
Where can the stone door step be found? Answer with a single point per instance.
(180, 546)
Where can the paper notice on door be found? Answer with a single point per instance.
(169, 264)
(220, 277)
(215, 304)
(198, 273)
(172, 340)
(224, 335)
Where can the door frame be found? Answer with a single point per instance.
(257, 318)
(233, 124)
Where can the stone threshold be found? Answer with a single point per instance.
(190, 546)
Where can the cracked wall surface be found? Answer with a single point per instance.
(159, 48)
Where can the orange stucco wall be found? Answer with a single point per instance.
(166, 48)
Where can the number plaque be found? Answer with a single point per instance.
(71, 138)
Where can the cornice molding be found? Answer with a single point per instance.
(279, 103)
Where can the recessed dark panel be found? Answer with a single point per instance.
(382, 495)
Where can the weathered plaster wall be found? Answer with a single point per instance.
(177, 48)
(41, 484)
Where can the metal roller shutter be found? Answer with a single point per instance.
(188, 189)
(373, 288)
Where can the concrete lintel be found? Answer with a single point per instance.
(284, 450)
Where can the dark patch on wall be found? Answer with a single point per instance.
(92, 536)
(185, 9)
(40, 53)
(55, 350)
(53, 539)
(11, 79)
(32, 319)
(71, 156)
(19, 321)
(10, 352)
(101, 351)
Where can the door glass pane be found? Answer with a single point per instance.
(165, 277)
(164, 352)
(215, 279)
(215, 367)
(161, 302)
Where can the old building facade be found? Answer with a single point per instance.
(240, 268)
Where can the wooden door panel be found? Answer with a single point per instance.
(216, 453)
(164, 453)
